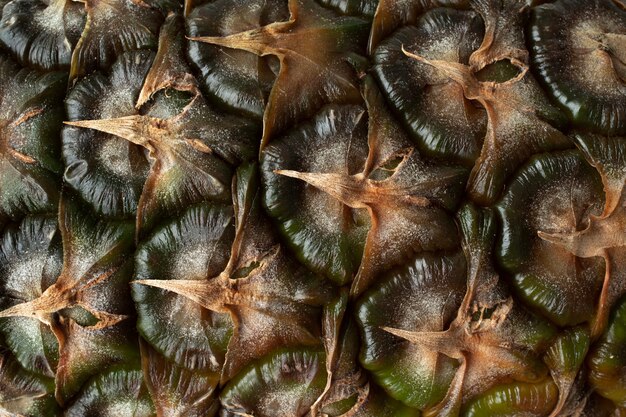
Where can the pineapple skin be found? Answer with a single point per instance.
(313, 208)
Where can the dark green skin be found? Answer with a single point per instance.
(607, 359)
(62, 200)
(541, 285)
(553, 58)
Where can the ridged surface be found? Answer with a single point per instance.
(313, 208)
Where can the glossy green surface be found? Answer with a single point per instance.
(411, 373)
(438, 116)
(249, 213)
(182, 331)
(552, 192)
(509, 400)
(578, 60)
(283, 384)
(607, 360)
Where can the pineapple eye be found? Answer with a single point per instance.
(42, 34)
(439, 117)
(426, 351)
(409, 372)
(236, 79)
(322, 164)
(106, 171)
(31, 262)
(579, 51)
(332, 177)
(190, 146)
(119, 391)
(282, 384)
(93, 274)
(182, 331)
(553, 193)
(335, 141)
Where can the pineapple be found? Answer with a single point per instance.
(313, 208)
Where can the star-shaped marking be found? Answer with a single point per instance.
(271, 301)
(605, 235)
(516, 127)
(483, 335)
(92, 257)
(190, 152)
(314, 48)
(405, 208)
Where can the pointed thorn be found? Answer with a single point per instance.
(19, 310)
(200, 146)
(415, 56)
(404, 334)
(208, 294)
(38, 308)
(159, 283)
(251, 41)
(205, 39)
(144, 95)
(291, 173)
(131, 128)
(27, 116)
(321, 181)
(561, 239)
(344, 188)
(455, 70)
(185, 288)
(441, 341)
(22, 157)
(231, 41)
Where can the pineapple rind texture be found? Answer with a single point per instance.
(313, 208)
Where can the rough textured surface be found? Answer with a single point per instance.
(313, 208)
